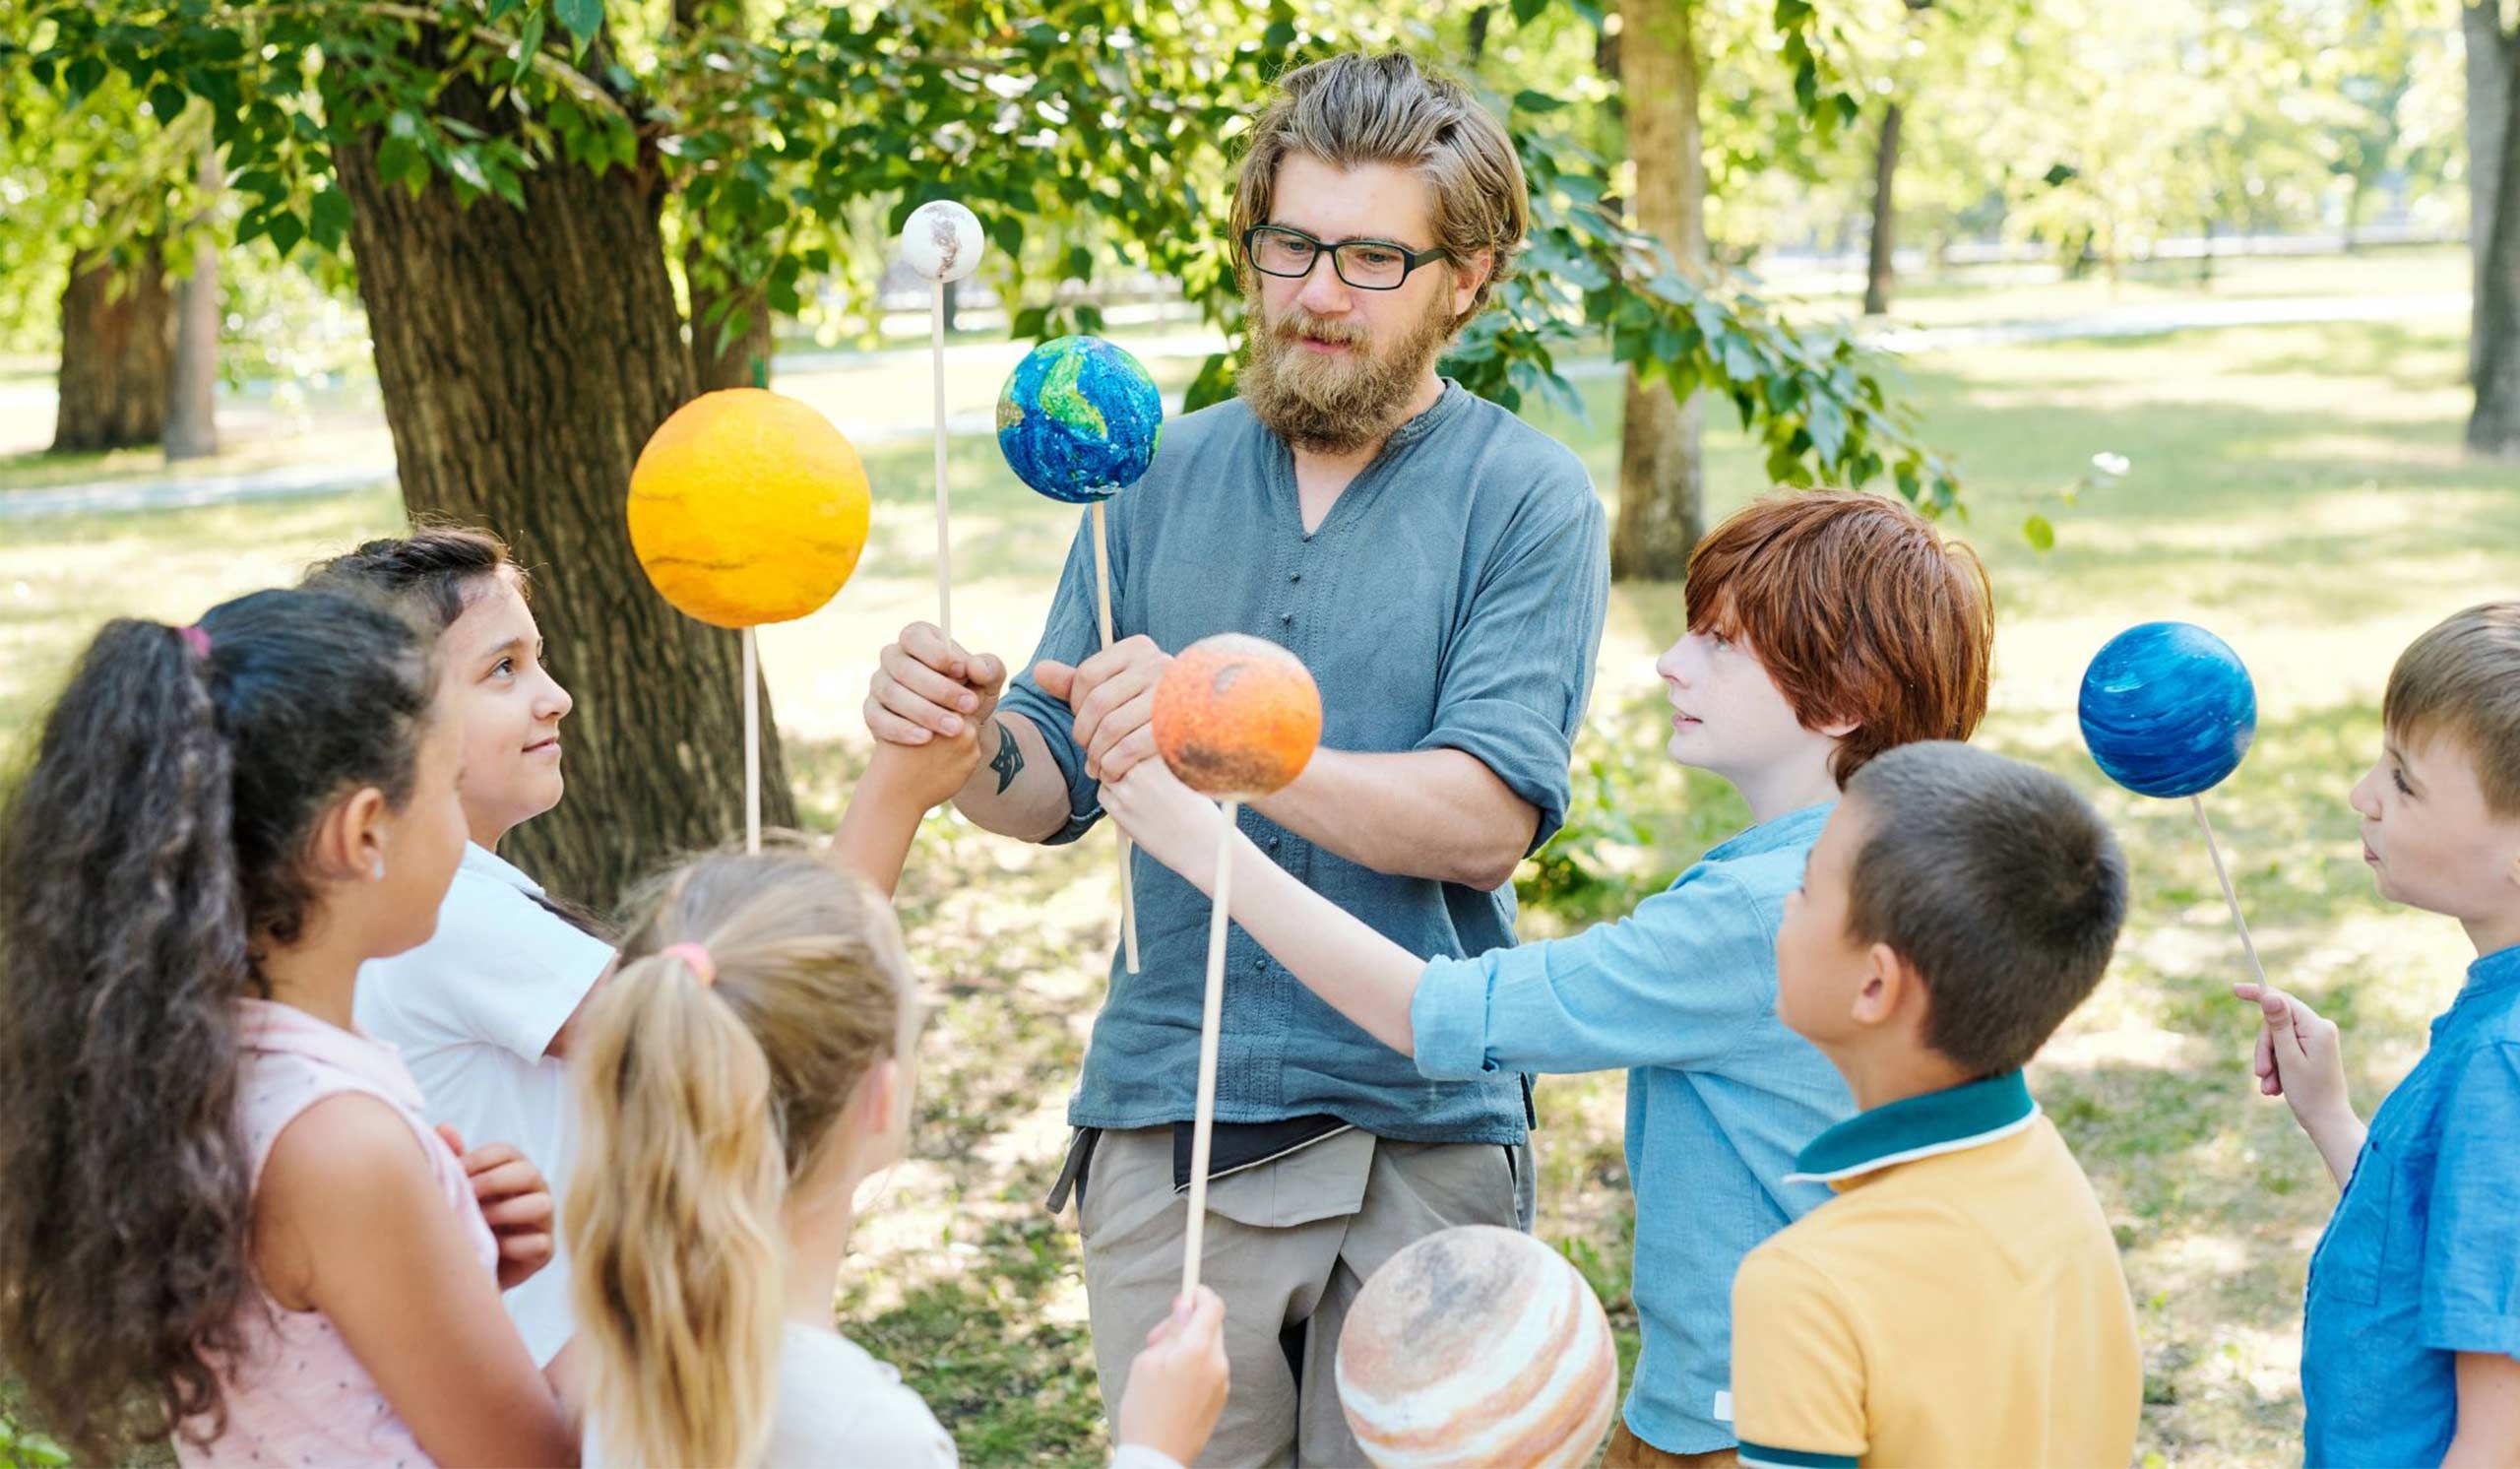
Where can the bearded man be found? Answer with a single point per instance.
(1442, 569)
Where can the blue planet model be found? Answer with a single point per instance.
(1079, 418)
(2167, 709)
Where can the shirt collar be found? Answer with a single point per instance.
(2491, 974)
(1448, 397)
(1794, 828)
(481, 861)
(1946, 1122)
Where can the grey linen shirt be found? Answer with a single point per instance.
(1452, 598)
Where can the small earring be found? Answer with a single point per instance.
(377, 872)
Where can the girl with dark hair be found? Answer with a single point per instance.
(221, 1214)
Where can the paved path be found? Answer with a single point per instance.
(180, 491)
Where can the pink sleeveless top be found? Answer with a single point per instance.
(295, 1394)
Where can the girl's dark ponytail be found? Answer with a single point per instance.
(153, 843)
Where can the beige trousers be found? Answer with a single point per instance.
(1289, 1244)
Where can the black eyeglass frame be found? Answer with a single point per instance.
(1410, 259)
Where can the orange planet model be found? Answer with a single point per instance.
(749, 507)
(1478, 1346)
(1236, 717)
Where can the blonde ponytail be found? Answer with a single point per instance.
(673, 1225)
(701, 1099)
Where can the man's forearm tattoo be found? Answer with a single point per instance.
(1009, 760)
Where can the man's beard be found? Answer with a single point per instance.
(1337, 404)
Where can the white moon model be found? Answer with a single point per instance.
(941, 241)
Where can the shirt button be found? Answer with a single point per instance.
(1295, 576)
(1286, 616)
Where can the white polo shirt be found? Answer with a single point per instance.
(472, 1012)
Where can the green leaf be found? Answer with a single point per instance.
(286, 231)
(329, 220)
(465, 165)
(399, 160)
(528, 42)
(84, 76)
(581, 18)
(165, 100)
(1528, 101)
(2038, 532)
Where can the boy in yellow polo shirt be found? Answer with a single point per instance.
(1959, 1301)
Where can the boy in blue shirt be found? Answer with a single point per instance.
(1824, 628)
(2410, 1325)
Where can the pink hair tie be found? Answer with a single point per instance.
(696, 957)
(196, 639)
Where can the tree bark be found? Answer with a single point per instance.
(1885, 168)
(524, 356)
(2490, 52)
(192, 410)
(1660, 470)
(117, 351)
(744, 359)
(2495, 428)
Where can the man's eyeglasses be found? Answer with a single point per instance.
(1365, 264)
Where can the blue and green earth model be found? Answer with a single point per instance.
(1079, 418)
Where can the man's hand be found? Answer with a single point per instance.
(1112, 695)
(1174, 824)
(927, 687)
(516, 1203)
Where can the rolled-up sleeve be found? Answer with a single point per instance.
(1073, 634)
(1518, 674)
(1670, 984)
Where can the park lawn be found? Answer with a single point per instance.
(2299, 489)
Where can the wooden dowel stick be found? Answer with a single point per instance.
(2229, 896)
(1102, 605)
(944, 538)
(752, 743)
(1204, 1121)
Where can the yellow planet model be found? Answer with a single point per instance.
(749, 507)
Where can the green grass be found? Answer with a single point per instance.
(2298, 489)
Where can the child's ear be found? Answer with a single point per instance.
(883, 1098)
(352, 839)
(1883, 991)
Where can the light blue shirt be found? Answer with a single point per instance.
(2420, 1260)
(1720, 1095)
(1452, 598)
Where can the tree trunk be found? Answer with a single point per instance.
(116, 352)
(2495, 428)
(192, 410)
(1661, 471)
(2491, 51)
(743, 362)
(1885, 168)
(524, 356)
